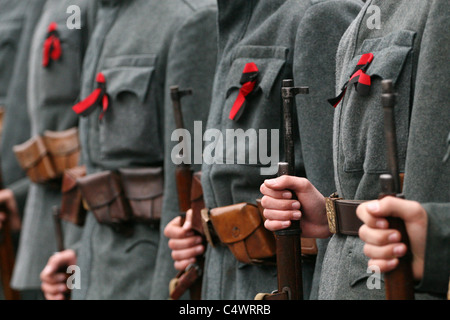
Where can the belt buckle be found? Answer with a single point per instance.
(331, 212)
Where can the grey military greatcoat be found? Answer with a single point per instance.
(410, 47)
(136, 46)
(285, 39)
(51, 92)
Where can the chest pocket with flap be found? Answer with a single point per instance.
(263, 105)
(131, 123)
(362, 124)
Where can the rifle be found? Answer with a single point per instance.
(190, 278)
(288, 241)
(56, 213)
(58, 228)
(6, 245)
(399, 283)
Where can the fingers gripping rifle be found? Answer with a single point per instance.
(399, 283)
(190, 278)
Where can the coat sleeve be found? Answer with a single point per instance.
(191, 65)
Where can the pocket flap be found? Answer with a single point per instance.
(62, 142)
(142, 183)
(30, 152)
(235, 222)
(99, 189)
(269, 61)
(390, 53)
(128, 79)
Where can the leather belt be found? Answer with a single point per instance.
(341, 214)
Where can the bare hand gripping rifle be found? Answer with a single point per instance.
(399, 283)
(191, 277)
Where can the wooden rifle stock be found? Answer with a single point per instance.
(399, 283)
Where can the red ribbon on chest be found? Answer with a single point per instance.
(98, 97)
(52, 45)
(359, 78)
(248, 83)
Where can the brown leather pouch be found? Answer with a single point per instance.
(72, 208)
(309, 247)
(102, 193)
(63, 148)
(241, 228)
(34, 159)
(143, 187)
(197, 202)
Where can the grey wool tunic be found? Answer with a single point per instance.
(191, 65)
(13, 19)
(285, 39)
(411, 48)
(18, 20)
(135, 45)
(51, 92)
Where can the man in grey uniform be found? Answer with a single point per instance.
(409, 47)
(17, 22)
(129, 52)
(52, 88)
(285, 40)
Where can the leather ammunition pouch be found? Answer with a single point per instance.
(44, 158)
(103, 194)
(72, 208)
(33, 157)
(63, 148)
(143, 188)
(241, 228)
(250, 225)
